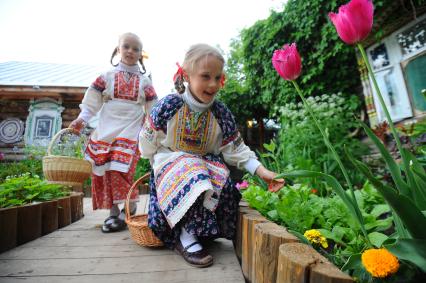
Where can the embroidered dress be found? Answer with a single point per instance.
(121, 96)
(190, 184)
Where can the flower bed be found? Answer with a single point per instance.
(30, 208)
(269, 253)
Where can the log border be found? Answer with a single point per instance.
(270, 254)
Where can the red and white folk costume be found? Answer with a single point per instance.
(122, 96)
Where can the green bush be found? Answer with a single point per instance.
(300, 144)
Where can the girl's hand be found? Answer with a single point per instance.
(268, 176)
(78, 124)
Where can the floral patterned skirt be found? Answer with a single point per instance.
(198, 220)
(112, 188)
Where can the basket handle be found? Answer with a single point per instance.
(135, 184)
(57, 135)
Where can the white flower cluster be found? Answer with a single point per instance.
(324, 106)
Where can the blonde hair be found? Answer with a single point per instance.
(195, 54)
(120, 38)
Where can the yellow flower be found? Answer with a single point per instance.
(314, 236)
(380, 262)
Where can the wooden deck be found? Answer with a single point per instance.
(81, 253)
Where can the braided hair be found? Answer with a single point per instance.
(194, 54)
(114, 53)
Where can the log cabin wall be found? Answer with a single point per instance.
(13, 109)
(23, 83)
(15, 103)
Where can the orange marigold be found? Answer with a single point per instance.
(380, 262)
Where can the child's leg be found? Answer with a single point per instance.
(132, 206)
(188, 240)
(113, 213)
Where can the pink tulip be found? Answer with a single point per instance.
(243, 185)
(287, 62)
(354, 20)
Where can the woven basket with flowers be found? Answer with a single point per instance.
(66, 170)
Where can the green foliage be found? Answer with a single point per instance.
(235, 94)
(323, 55)
(299, 208)
(19, 190)
(142, 167)
(70, 145)
(33, 166)
(300, 144)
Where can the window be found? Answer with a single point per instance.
(43, 121)
(413, 38)
(399, 65)
(43, 127)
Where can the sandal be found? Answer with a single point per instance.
(113, 224)
(198, 259)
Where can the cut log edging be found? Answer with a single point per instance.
(269, 253)
(25, 223)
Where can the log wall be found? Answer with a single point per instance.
(18, 107)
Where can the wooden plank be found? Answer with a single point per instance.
(268, 239)
(224, 265)
(64, 211)
(112, 265)
(176, 276)
(76, 206)
(49, 216)
(35, 252)
(29, 223)
(80, 252)
(8, 223)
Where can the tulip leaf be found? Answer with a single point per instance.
(393, 167)
(413, 250)
(419, 177)
(399, 226)
(408, 212)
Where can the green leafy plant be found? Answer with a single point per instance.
(70, 145)
(336, 115)
(299, 208)
(23, 189)
(142, 167)
(33, 166)
(407, 198)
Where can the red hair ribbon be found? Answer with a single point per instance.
(180, 73)
(222, 80)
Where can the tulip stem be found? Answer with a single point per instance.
(337, 158)
(326, 140)
(385, 109)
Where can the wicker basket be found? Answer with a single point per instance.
(138, 224)
(65, 170)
